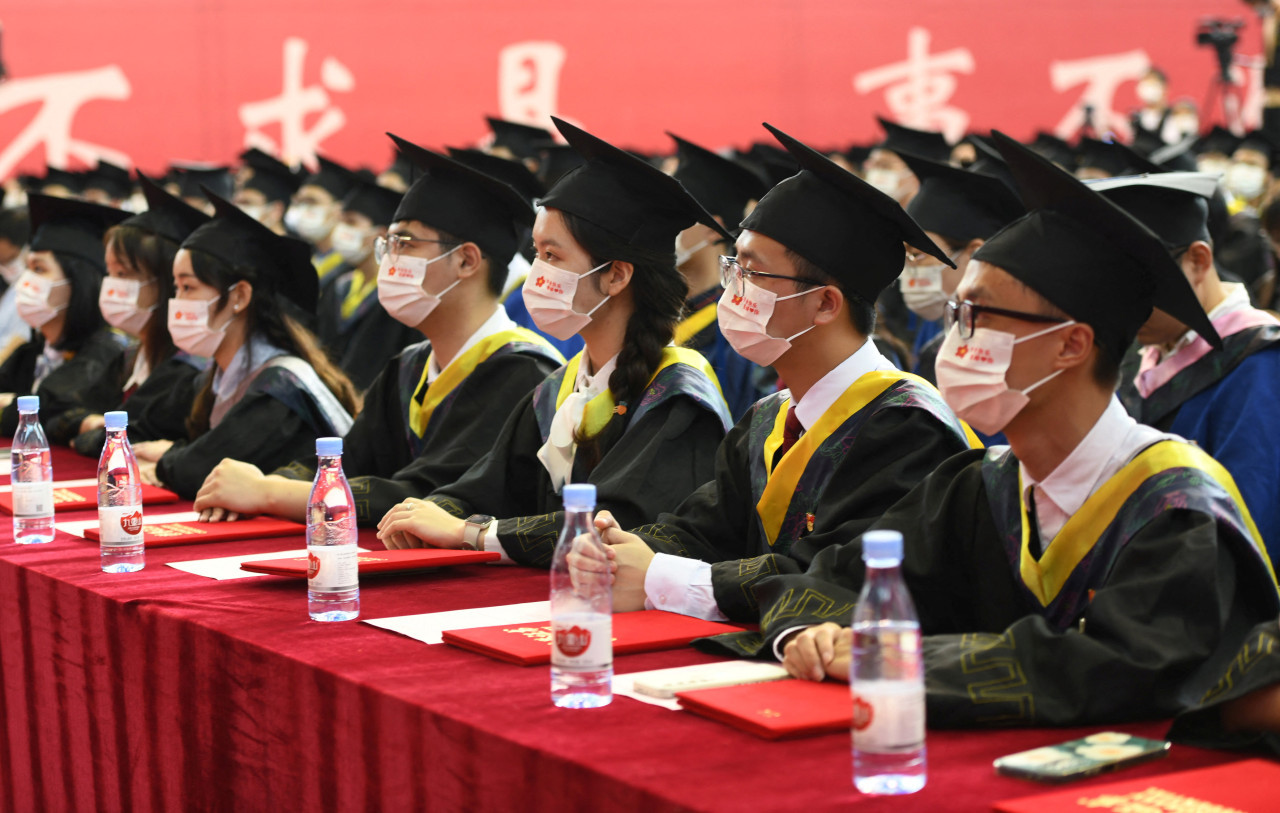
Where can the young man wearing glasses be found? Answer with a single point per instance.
(438, 405)
(815, 464)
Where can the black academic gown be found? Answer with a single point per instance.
(158, 407)
(362, 343)
(86, 384)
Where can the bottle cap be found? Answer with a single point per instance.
(116, 420)
(579, 496)
(28, 403)
(328, 447)
(882, 545)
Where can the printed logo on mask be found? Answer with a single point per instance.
(551, 285)
(747, 305)
(918, 282)
(188, 316)
(397, 272)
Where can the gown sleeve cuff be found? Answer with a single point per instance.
(489, 541)
(680, 585)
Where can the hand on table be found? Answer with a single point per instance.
(232, 489)
(147, 471)
(417, 523)
(820, 651)
(630, 558)
(151, 450)
(92, 422)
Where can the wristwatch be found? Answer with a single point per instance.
(476, 524)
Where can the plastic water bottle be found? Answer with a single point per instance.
(120, 500)
(32, 476)
(887, 676)
(333, 580)
(581, 612)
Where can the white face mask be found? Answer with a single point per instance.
(921, 287)
(13, 269)
(887, 181)
(1246, 180)
(189, 326)
(1217, 166)
(311, 221)
(255, 211)
(1150, 92)
(33, 298)
(351, 243)
(400, 288)
(118, 301)
(548, 294)
(683, 255)
(744, 321)
(971, 376)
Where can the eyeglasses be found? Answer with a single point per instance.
(732, 274)
(914, 258)
(394, 244)
(964, 313)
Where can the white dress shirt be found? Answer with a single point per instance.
(496, 323)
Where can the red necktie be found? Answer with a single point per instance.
(791, 431)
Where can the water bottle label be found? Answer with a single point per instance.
(120, 525)
(888, 714)
(33, 499)
(331, 568)
(581, 641)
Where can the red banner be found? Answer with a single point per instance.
(146, 82)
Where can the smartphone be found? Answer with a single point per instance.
(1104, 751)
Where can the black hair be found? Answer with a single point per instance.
(83, 317)
(15, 226)
(497, 272)
(151, 255)
(861, 313)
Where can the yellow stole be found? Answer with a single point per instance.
(1046, 576)
(422, 405)
(785, 476)
(694, 323)
(327, 264)
(361, 287)
(600, 409)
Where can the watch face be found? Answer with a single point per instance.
(479, 519)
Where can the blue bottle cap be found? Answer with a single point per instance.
(579, 497)
(28, 403)
(328, 447)
(116, 420)
(882, 545)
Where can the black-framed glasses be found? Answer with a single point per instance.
(732, 273)
(964, 313)
(394, 244)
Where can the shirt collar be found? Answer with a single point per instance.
(829, 388)
(252, 354)
(1237, 298)
(496, 323)
(593, 385)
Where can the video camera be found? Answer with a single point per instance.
(1221, 35)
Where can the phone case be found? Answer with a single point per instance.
(1104, 751)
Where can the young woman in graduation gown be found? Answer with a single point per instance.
(632, 414)
(162, 384)
(270, 390)
(73, 361)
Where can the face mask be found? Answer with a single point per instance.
(1185, 124)
(1245, 180)
(349, 242)
(886, 180)
(1150, 92)
(548, 294)
(921, 288)
(13, 269)
(190, 329)
(118, 301)
(971, 376)
(256, 212)
(683, 255)
(744, 321)
(33, 298)
(1215, 165)
(309, 220)
(400, 288)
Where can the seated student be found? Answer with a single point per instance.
(73, 362)
(270, 390)
(631, 414)
(315, 210)
(264, 186)
(439, 405)
(1093, 571)
(15, 234)
(814, 465)
(162, 384)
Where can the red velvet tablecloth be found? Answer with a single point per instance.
(161, 690)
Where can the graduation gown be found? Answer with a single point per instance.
(360, 343)
(86, 384)
(1147, 604)
(387, 461)
(742, 381)
(758, 518)
(158, 407)
(650, 457)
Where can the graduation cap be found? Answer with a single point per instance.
(774, 163)
(110, 179)
(958, 203)
(1088, 256)
(839, 222)
(464, 202)
(1055, 149)
(857, 154)
(521, 139)
(924, 143)
(166, 215)
(1217, 140)
(990, 162)
(1259, 141)
(556, 161)
(332, 177)
(269, 175)
(1179, 157)
(624, 195)
(277, 265)
(720, 185)
(1135, 162)
(401, 167)
(193, 179)
(378, 203)
(71, 181)
(1174, 205)
(1104, 155)
(513, 173)
(70, 226)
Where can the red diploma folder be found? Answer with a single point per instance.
(641, 631)
(1250, 786)
(780, 709)
(380, 561)
(164, 534)
(79, 498)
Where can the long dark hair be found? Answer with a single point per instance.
(83, 317)
(152, 255)
(267, 319)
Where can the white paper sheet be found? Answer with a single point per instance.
(228, 567)
(78, 528)
(428, 627)
(624, 685)
(728, 673)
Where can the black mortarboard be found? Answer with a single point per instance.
(722, 186)
(111, 179)
(990, 162)
(960, 204)
(839, 222)
(1055, 149)
(521, 139)
(924, 143)
(1102, 155)
(193, 179)
(857, 154)
(1174, 205)
(402, 167)
(1177, 157)
(1217, 140)
(557, 160)
(464, 202)
(270, 176)
(277, 265)
(1259, 141)
(774, 163)
(70, 226)
(166, 215)
(513, 173)
(332, 177)
(1088, 256)
(375, 202)
(624, 195)
(71, 181)
(1145, 141)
